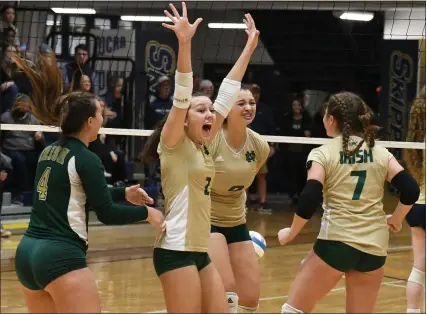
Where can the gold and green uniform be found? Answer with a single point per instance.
(353, 191)
(234, 173)
(187, 173)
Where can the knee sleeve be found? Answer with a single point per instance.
(286, 308)
(417, 276)
(246, 309)
(233, 301)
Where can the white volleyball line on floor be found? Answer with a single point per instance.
(388, 283)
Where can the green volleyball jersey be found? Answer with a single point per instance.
(69, 181)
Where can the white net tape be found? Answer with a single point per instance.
(272, 139)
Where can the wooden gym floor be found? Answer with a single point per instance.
(120, 258)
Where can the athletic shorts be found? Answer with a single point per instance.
(344, 258)
(235, 234)
(167, 260)
(38, 262)
(417, 216)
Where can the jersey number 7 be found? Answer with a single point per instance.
(360, 183)
(42, 185)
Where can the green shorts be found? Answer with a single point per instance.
(38, 262)
(167, 260)
(234, 234)
(344, 258)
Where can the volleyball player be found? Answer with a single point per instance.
(349, 173)
(238, 154)
(190, 281)
(51, 257)
(416, 218)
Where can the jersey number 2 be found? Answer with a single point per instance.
(42, 185)
(360, 183)
(208, 179)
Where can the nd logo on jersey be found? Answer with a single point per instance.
(250, 156)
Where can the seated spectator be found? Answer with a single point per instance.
(23, 148)
(86, 84)
(196, 83)
(113, 160)
(6, 21)
(162, 102)
(73, 71)
(8, 88)
(115, 102)
(207, 88)
(9, 36)
(5, 176)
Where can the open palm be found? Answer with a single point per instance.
(183, 29)
(251, 31)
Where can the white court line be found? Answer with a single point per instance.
(388, 283)
(391, 284)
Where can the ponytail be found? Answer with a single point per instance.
(149, 153)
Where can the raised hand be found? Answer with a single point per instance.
(183, 29)
(251, 31)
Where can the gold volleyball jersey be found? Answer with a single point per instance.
(352, 195)
(234, 172)
(186, 172)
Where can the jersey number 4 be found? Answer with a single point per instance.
(42, 185)
(360, 183)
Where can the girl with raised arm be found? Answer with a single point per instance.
(190, 281)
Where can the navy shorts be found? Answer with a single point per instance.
(417, 216)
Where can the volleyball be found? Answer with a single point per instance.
(259, 243)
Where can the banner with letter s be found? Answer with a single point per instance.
(399, 88)
(159, 55)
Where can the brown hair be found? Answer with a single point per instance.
(149, 152)
(414, 158)
(353, 117)
(46, 103)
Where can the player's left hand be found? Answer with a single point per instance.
(285, 236)
(137, 196)
(394, 223)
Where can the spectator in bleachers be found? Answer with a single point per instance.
(8, 88)
(196, 83)
(73, 71)
(318, 127)
(208, 89)
(5, 175)
(113, 160)
(162, 102)
(299, 125)
(7, 20)
(9, 36)
(264, 125)
(86, 84)
(115, 102)
(105, 147)
(23, 148)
